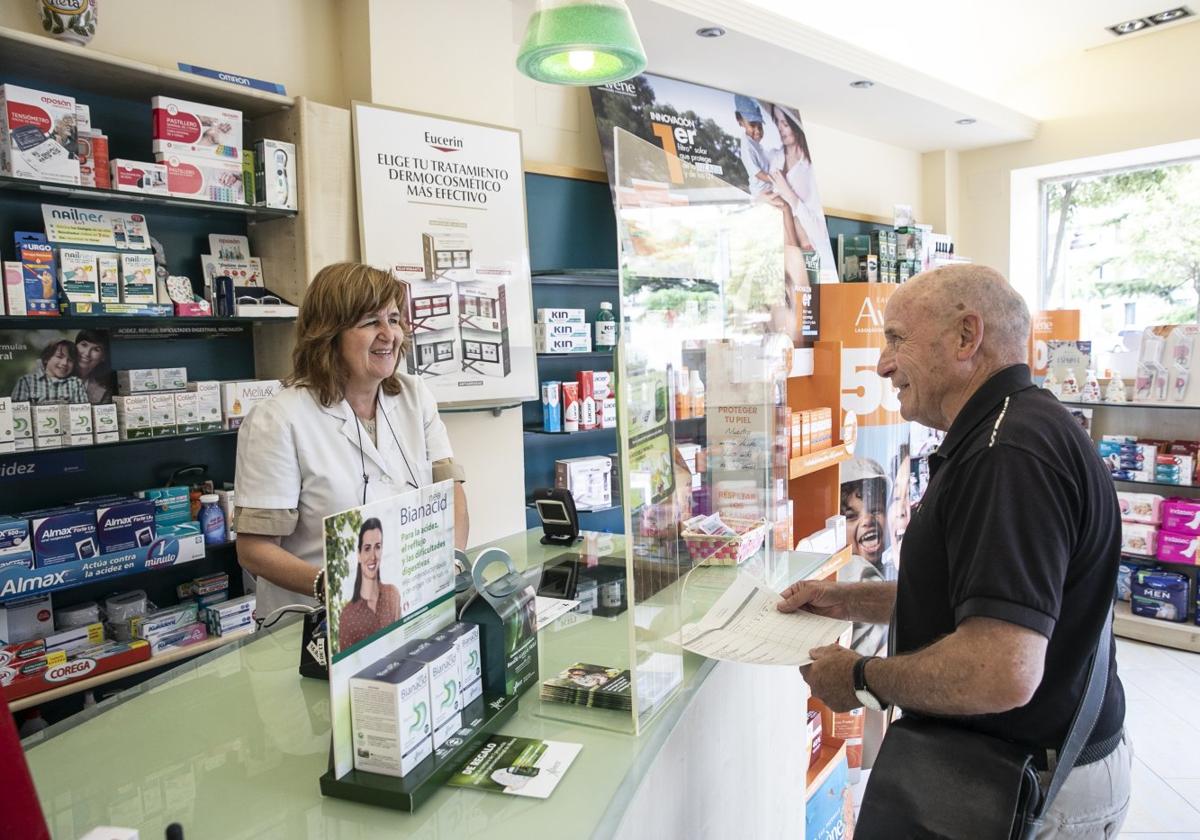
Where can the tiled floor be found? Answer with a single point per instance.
(1162, 692)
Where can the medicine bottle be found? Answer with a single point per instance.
(606, 327)
(212, 519)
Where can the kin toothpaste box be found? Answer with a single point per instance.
(63, 537)
(390, 716)
(15, 546)
(124, 525)
(444, 689)
(465, 638)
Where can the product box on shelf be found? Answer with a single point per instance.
(172, 379)
(25, 619)
(62, 537)
(1178, 548)
(230, 616)
(138, 279)
(104, 423)
(77, 275)
(38, 135)
(138, 381)
(1140, 507)
(561, 316)
(162, 415)
(8, 435)
(124, 525)
(89, 662)
(47, 427)
(181, 637)
(444, 689)
(94, 168)
(68, 641)
(193, 129)
(275, 174)
(570, 406)
(162, 621)
(1159, 594)
(206, 179)
(1174, 469)
(109, 277)
(22, 419)
(465, 638)
(39, 273)
(187, 413)
(552, 407)
(248, 185)
(237, 398)
(133, 416)
(384, 697)
(589, 479)
(14, 288)
(16, 548)
(76, 423)
(138, 176)
(1165, 359)
(1139, 539)
(588, 415)
(1181, 516)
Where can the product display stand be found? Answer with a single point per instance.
(486, 715)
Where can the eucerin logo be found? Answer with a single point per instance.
(72, 670)
(29, 584)
(74, 214)
(444, 144)
(58, 533)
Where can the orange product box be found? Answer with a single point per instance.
(848, 726)
(822, 430)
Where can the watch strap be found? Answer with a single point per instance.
(860, 673)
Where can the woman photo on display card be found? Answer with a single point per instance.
(374, 604)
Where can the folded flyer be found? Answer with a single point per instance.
(517, 766)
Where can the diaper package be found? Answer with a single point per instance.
(1160, 594)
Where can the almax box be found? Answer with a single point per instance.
(63, 537)
(15, 546)
(125, 525)
(390, 717)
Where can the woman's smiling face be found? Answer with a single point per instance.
(90, 355)
(59, 365)
(370, 552)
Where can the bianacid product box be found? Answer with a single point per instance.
(139, 381)
(193, 129)
(137, 278)
(138, 176)
(22, 419)
(465, 638)
(76, 424)
(237, 398)
(77, 273)
(8, 437)
(109, 274)
(162, 415)
(38, 135)
(444, 689)
(206, 179)
(16, 549)
(208, 404)
(275, 174)
(63, 537)
(390, 716)
(104, 423)
(124, 525)
(47, 421)
(1159, 594)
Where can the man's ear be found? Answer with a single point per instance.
(970, 335)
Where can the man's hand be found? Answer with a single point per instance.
(831, 677)
(816, 596)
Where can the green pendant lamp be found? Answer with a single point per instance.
(581, 42)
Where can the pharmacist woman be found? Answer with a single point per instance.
(348, 428)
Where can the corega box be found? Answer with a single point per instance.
(389, 716)
(22, 420)
(172, 379)
(187, 417)
(208, 404)
(133, 416)
(8, 439)
(442, 659)
(162, 415)
(589, 480)
(138, 381)
(465, 638)
(237, 398)
(104, 423)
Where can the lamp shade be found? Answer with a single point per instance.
(581, 42)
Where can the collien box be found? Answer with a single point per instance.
(15, 546)
(125, 525)
(63, 537)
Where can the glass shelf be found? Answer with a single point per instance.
(1168, 406)
(593, 354)
(537, 430)
(94, 194)
(1166, 484)
(9, 456)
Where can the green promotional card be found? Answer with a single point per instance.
(517, 766)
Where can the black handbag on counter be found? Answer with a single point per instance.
(933, 779)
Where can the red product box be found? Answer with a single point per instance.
(588, 416)
(39, 675)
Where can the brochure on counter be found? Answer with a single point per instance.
(517, 766)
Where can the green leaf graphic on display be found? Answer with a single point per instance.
(422, 711)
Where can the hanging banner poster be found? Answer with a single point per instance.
(1050, 325)
(755, 145)
(389, 569)
(442, 204)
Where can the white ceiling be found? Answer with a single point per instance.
(932, 61)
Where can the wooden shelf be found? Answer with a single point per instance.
(1181, 636)
(57, 64)
(803, 465)
(176, 655)
(834, 564)
(117, 197)
(832, 751)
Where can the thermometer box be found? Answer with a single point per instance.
(275, 174)
(38, 135)
(444, 690)
(390, 716)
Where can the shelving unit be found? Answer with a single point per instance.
(119, 444)
(1182, 636)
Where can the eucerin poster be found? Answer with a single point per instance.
(442, 204)
(758, 146)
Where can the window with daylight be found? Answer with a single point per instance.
(1123, 247)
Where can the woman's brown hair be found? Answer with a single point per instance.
(338, 297)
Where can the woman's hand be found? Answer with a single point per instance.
(782, 187)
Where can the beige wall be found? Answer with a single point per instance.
(1119, 97)
(292, 42)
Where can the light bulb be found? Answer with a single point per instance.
(581, 60)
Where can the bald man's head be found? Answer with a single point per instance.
(946, 293)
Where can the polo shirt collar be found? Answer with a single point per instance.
(980, 405)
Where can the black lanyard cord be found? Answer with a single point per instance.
(362, 458)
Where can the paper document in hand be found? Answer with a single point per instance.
(744, 626)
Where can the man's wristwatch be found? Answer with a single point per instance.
(861, 691)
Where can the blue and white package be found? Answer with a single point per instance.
(15, 547)
(124, 525)
(552, 407)
(63, 537)
(1159, 594)
(1125, 572)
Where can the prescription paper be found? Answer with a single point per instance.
(745, 626)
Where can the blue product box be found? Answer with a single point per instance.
(1159, 594)
(62, 537)
(124, 525)
(15, 546)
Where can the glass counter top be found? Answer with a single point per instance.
(232, 745)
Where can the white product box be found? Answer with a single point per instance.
(275, 174)
(208, 404)
(445, 691)
(545, 332)
(28, 618)
(14, 288)
(237, 398)
(47, 421)
(162, 414)
(602, 383)
(589, 479)
(22, 420)
(391, 735)
(204, 178)
(137, 278)
(838, 523)
(465, 638)
(562, 316)
(38, 136)
(8, 438)
(608, 413)
(77, 275)
(104, 423)
(109, 274)
(49, 442)
(133, 416)
(16, 544)
(187, 417)
(83, 118)
(193, 129)
(138, 176)
(226, 499)
(570, 344)
(76, 420)
(138, 381)
(172, 379)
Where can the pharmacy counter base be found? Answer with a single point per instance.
(232, 745)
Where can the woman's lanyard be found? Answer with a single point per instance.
(362, 458)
